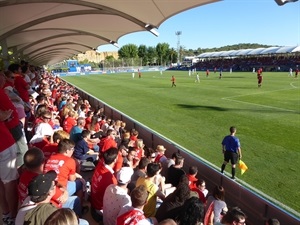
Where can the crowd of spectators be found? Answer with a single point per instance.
(246, 63)
(49, 136)
(269, 63)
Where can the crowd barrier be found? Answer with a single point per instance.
(256, 207)
(135, 69)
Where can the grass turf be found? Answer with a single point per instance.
(198, 116)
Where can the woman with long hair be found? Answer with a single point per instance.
(216, 206)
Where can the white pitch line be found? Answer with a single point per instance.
(266, 106)
(293, 85)
(258, 93)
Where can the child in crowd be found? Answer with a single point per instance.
(193, 171)
(81, 149)
(200, 184)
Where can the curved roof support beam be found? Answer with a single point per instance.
(53, 45)
(54, 58)
(73, 52)
(62, 52)
(58, 36)
(46, 58)
(46, 61)
(50, 50)
(59, 55)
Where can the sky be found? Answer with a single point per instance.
(223, 23)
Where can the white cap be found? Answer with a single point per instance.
(124, 175)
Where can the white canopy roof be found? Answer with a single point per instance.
(49, 31)
(287, 49)
(256, 51)
(245, 52)
(270, 50)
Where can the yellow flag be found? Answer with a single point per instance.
(243, 167)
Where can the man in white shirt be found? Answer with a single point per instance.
(116, 196)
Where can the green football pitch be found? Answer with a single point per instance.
(198, 116)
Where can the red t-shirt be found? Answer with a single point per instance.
(102, 178)
(192, 181)
(108, 143)
(69, 123)
(102, 122)
(41, 144)
(133, 138)
(96, 127)
(6, 104)
(24, 181)
(119, 162)
(139, 152)
(21, 87)
(63, 165)
(259, 71)
(6, 139)
(50, 149)
(88, 120)
(54, 93)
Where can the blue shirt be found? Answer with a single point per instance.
(80, 149)
(75, 134)
(231, 143)
(61, 105)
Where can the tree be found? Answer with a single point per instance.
(85, 61)
(171, 56)
(151, 55)
(161, 50)
(128, 51)
(109, 58)
(142, 53)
